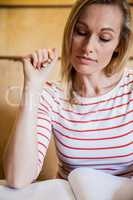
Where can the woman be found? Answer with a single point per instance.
(90, 111)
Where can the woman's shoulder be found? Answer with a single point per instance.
(129, 70)
(53, 87)
(129, 73)
(128, 79)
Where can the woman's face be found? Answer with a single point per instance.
(95, 38)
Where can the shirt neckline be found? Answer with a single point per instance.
(103, 96)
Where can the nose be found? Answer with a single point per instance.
(89, 44)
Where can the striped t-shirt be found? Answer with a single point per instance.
(97, 132)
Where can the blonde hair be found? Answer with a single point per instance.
(118, 59)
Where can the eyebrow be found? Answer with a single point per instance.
(103, 29)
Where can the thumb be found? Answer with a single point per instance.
(54, 60)
(55, 50)
(51, 65)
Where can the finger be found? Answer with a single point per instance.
(50, 55)
(54, 59)
(45, 58)
(40, 58)
(34, 59)
(55, 50)
(45, 55)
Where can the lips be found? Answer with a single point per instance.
(85, 60)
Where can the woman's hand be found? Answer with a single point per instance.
(38, 65)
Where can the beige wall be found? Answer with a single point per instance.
(35, 2)
(22, 31)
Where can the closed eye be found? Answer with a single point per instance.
(80, 32)
(105, 40)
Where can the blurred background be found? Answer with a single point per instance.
(25, 26)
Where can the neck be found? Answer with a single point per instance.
(95, 84)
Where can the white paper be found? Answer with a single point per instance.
(90, 184)
(43, 190)
(84, 184)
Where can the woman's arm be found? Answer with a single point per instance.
(21, 154)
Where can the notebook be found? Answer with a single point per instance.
(83, 184)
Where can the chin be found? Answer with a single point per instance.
(86, 71)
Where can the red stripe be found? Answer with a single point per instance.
(91, 158)
(90, 103)
(44, 111)
(61, 90)
(41, 153)
(100, 110)
(100, 148)
(46, 102)
(40, 113)
(40, 126)
(100, 129)
(98, 102)
(48, 83)
(110, 169)
(42, 145)
(126, 84)
(49, 95)
(43, 135)
(57, 89)
(95, 164)
(94, 139)
(43, 119)
(40, 161)
(93, 120)
(44, 106)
